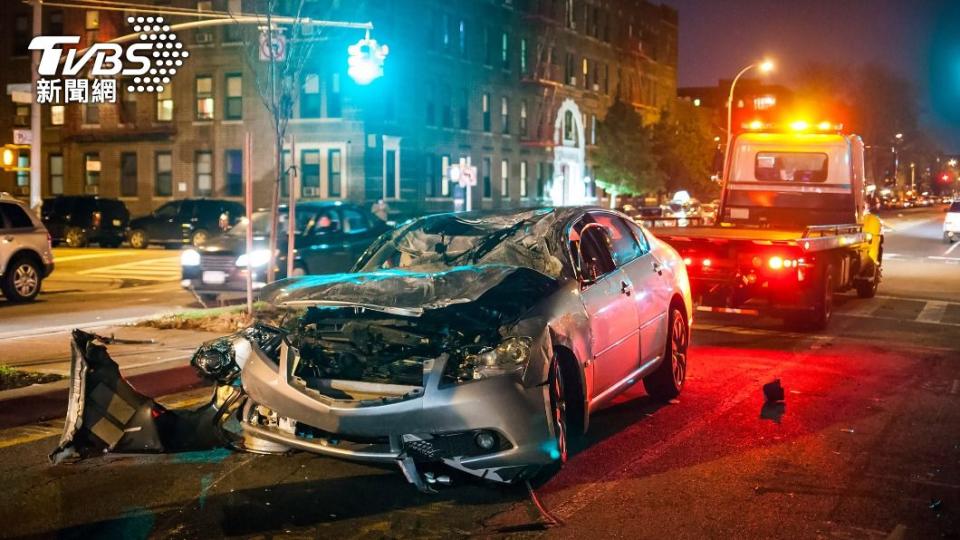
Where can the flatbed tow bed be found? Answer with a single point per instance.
(774, 251)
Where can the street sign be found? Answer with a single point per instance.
(465, 175)
(273, 44)
(22, 136)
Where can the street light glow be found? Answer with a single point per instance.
(766, 66)
(952, 163)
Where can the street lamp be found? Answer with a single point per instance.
(765, 66)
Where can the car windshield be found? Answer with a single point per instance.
(442, 242)
(955, 207)
(307, 219)
(791, 167)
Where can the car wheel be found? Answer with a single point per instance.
(868, 289)
(823, 310)
(666, 382)
(199, 238)
(75, 237)
(21, 282)
(139, 239)
(558, 414)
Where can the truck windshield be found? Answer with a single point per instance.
(791, 167)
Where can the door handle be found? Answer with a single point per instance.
(625, 288)
(657, 268)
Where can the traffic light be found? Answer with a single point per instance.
(10, 157)
(366, 60)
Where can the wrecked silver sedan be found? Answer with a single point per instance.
(480, 341)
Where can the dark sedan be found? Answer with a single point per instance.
(329, 238)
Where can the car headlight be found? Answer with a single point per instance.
(510, 356)
(256, 258)
(190, 257)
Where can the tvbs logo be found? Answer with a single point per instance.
(145, 65)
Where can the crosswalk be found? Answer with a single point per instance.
(157, 270)
(893, 308)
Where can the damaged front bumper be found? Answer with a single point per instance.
(492, 428)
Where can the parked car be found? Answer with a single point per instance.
(25, 255)
(330, 237)
(184, 221)
(951, 223)
(480, 341)
(78, 220)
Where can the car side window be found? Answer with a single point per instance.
(188, 209)
(354, 222)
(326, 222)
(590, 249)
(15, 217)
(168, 210)
(624, 247)
(641, 236)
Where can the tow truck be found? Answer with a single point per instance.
(792, 228)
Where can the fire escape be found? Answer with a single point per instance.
(546, 74)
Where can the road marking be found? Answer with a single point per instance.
(933, 311)
(58, 259)
(938, 258)
(165, 269)
(951, 248)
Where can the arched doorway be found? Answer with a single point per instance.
(569, 156)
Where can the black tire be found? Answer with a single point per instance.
(666, 382)
(868, 289)
(823, 309)
(22, 280)
(139, 239)
(558, 413)
(199, 238)
(75, 237)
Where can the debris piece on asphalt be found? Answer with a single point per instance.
(847, 430)
(773, 391)
(935, 504)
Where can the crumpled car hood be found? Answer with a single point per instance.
(401, 291)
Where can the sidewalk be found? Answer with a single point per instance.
(160, 365)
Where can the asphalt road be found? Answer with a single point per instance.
(94, 285)
(867, 445)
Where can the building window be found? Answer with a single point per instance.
(761, 103)
(504, 179)
(128, 106)
(445, 31)
(23, 163)
(203, 167)
(233, 106)
(163, 177)
(568, 126)
(465, 109)
(92, 20)
(233, 33)
(523, 179)
(203, 35)
(485, 172)
(56, 173)
(430, 92)
(204, 94)
(504, 50)
(433, 179)
(165, 104)
(487, 47)
(91, 169)
(585, 69)
(310, 96)
(445, 176)
(334, 109)
(462, 37)
(55, 23)
(334, 172)
(446, 100)
(570, 70)
(504, 114)
(541, 171)
(310, 173)
(523, 117)
(21, 115)
(523, 56)
(57, 115)
(233, 173)
(485, 99)
(390, 176)
(91, 114)
(128, 174)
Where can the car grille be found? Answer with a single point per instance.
(225, 263)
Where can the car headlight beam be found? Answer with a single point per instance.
(255, 259)
(190, 257)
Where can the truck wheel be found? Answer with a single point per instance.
(666, 382)
(139, 239)
(823, 309)
(75, 237)
(868, 289)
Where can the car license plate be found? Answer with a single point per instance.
(116, 223)
(215, 277)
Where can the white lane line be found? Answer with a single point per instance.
(128, 266)
(933, 311)
(59, 259)
(951, 248)
(938, 258)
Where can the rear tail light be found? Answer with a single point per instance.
(777, 262)
(687, 261)
(96, 220)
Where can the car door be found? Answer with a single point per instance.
(326, 250)
(607, 296)
(164, 224)
(7, 238)
(359, 232)
(657, 290)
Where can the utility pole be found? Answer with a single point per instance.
(35, 124)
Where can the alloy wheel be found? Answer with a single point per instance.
(678, 348)
(559, 411)
(26, 280)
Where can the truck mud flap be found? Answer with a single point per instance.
(106, 414)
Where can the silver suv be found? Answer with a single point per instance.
(25, 256)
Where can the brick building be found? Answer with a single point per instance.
(518, 86)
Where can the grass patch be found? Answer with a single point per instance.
(11, 378)
(222, 319)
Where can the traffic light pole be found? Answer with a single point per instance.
(35, 124)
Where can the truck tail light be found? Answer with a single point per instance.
(687, 261)
(777, 262)
(96, 220)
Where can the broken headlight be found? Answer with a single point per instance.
(510, 356)
(216, 360)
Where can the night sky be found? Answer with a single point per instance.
(919, 39)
